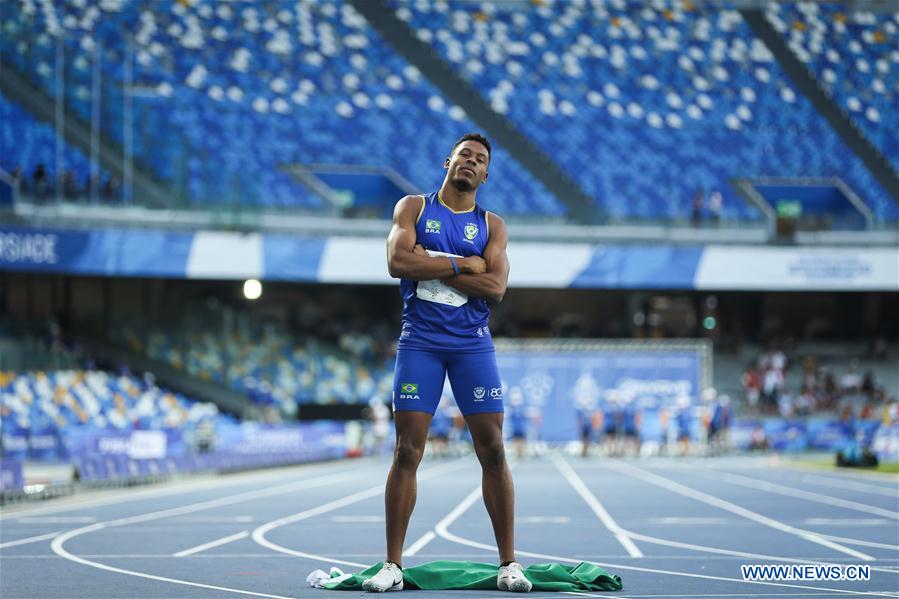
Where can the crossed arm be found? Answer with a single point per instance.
(485, 277)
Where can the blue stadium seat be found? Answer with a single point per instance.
(643, 104)
(226, 93)
(853, 53)
(271, 368)
(55, 403)
(26, 142)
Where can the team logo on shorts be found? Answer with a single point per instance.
(409, 391)
(479, 393)
(432, 226)
(471, 231)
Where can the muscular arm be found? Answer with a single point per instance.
(404, 263)
(491, 284)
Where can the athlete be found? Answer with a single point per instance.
(450, 255)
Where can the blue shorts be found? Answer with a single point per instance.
(420, 374)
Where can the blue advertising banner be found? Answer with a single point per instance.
(565, 382)
(628, 266)
(43, 444)
(818, 434)
(361, 259)
(784, 435)
(885, 443)
(15, 442)
(828, 435)
(109, 455)
(113, 252)
(11, 476)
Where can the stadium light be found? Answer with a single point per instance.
(252, 289)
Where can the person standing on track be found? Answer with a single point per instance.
(450, 255)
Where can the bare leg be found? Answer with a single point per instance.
(496, 481)
(399, 498)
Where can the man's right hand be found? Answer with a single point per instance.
(473, 265)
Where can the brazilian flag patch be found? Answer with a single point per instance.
(409, 387)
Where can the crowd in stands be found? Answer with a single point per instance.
(815, 388)
(40, 186)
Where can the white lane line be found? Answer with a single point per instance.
(215, 519)
(257, 479)
(663, 595)
(420, 543)
(843, 474)
(847, 521)
(892, 569)
(826, 481)
(687, 520)
(216, 543)
(442, 529)
(590, 499)
(860, 542)
(55, 520)
(259, 533)
(27, 540)
(543, 520)
(60, 550)
(680, 489)
(58, 544)
(732, 553)
(444, 532)
(817, 497)
(755, 483)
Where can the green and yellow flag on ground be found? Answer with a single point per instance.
(474, 576)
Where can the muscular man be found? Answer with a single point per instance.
(450, 255)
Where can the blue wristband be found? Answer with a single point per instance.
(455, 266)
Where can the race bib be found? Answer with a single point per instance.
(437, 292)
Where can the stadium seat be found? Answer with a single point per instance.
(643, 103)
(227, 94)
(26, 143)
(853, 53)
(54, 403)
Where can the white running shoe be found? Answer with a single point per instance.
(511, 578)
(389, 578)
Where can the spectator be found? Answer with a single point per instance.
(111, 189)
(869, 386)
(751, 387)
(93, 186)
(40, 182)
(851, 382)
(806, 402)
(716, 206)
(70, 185)
(830, 391)
(772, 387)
(696, 217)
(18, 180)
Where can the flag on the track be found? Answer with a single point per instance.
(448, 575)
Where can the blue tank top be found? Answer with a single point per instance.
(434, 326)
